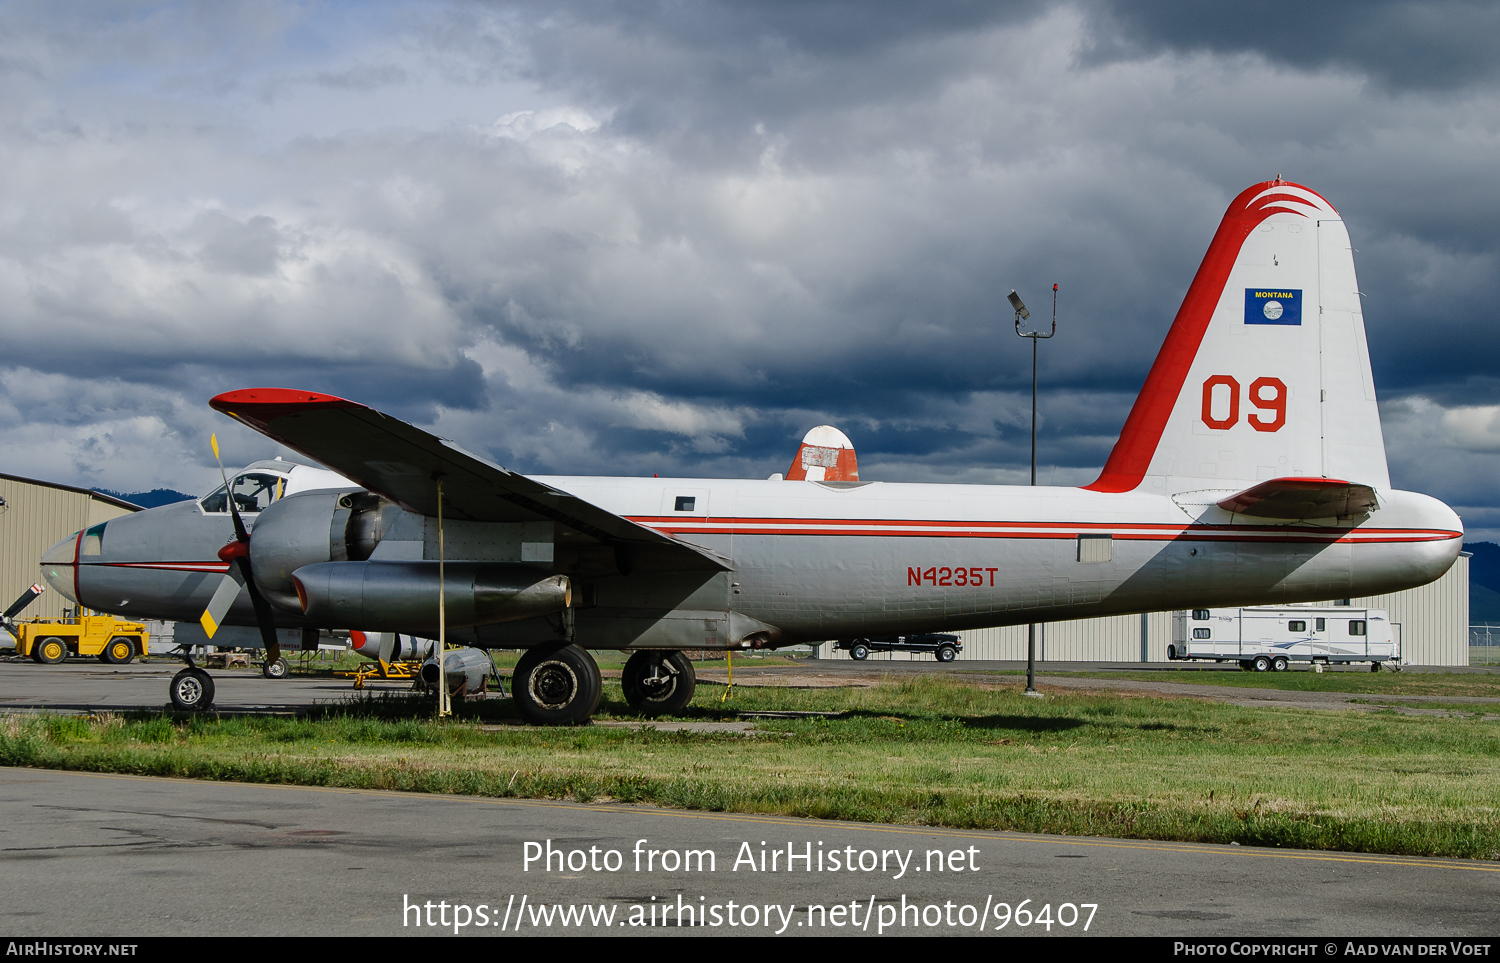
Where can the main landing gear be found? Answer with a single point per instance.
(658, 683)
(556, 685)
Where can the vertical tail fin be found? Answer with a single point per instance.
(1265, 372)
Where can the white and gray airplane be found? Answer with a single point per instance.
(1251, 470)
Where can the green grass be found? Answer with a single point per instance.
(1357, 681)
(925, 751)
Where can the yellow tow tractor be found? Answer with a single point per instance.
(50, 641)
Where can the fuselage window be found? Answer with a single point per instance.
(685, 503)
(253, 492)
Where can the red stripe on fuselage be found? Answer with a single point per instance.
(168, 566)
(946, 528)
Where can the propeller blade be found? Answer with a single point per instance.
(237, 554)
(26, 599)
(224, 596)
(264, 617)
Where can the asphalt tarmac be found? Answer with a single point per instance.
(119, 856)
(122, 856)
(86, 685)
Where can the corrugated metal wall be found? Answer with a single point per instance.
(1434, 619)
(36, 516)
(1434, 622)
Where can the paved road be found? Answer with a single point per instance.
(116, 856)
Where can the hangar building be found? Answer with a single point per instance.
(37, 514)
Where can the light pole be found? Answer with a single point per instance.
(1024, 315)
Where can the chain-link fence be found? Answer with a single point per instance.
(1484, 644)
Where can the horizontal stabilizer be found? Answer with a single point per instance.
(1302, 498)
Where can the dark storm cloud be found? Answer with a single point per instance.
(666, 237)
(1401, 44)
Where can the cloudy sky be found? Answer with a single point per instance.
(670, 237)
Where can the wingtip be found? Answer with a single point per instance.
(281, 397)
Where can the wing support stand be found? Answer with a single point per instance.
(445, 703)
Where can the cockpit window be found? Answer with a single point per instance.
(253, 492)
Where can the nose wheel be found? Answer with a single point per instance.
(192, 690)
(658, 683)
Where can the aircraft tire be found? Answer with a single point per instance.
(556, 685)
(50, 651)
(669, 691)
(192, 690)
(1280, 664)
(946, 653)
(275, 670)
(859, 652)
(1262, 664)
(119, 651)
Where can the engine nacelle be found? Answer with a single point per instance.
(311, 527)
(403, 596)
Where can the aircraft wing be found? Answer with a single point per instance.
(1299, 498)
(392, 458)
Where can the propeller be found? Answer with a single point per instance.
(238, 577)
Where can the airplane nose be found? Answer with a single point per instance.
(57, 567)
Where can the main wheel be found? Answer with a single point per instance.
(859, 651)
(192, 690)
(556, 685)
(51, 650)
(120, 650)
(1280, 664)
(1261, 664)
(658, 683)
(275, 670)
(946, 653)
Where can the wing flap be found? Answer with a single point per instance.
(402, 462)
(1300, 498)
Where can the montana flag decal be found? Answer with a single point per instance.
(1273, 305)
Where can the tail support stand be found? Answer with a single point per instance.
(728, 664)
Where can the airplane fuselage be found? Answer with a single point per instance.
(810, 561)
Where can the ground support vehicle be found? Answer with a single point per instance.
(1270, 638)
(943, 646)
(50, 641)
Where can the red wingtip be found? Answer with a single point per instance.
(290, 397)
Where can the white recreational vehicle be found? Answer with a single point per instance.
(1270, 638)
